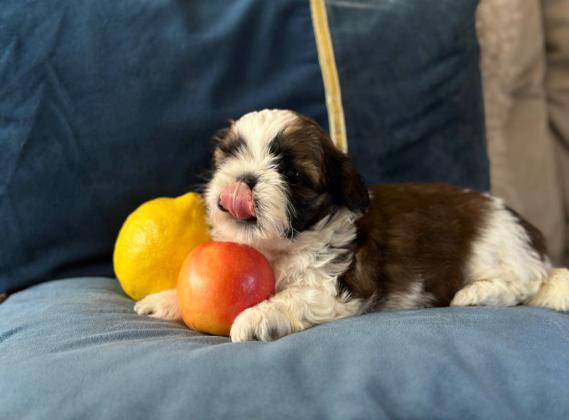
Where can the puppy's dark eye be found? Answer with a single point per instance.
(294, 177)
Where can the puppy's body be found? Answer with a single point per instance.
(339, 249)
(419, 244)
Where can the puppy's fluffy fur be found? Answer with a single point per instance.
(339, 249)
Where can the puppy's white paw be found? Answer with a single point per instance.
(485, 293)
(465, 297)
(264, 323)
(554, 293)
(163, 305)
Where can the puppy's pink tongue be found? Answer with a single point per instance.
(237, 199)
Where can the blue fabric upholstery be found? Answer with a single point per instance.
(105, 104)
(410, 88)
(74, 349)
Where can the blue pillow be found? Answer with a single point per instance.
(410, 80)
(106, 104)
(82, 353)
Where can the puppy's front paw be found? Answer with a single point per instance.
(163, 305)
(264, 322)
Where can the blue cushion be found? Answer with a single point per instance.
(75, 349)
(106, 104)
(411, 89)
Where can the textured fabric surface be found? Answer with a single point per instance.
(74, 349)
(106, 104)
(410, 87)
(556, 23)
(523, 115)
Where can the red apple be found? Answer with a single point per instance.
(219, 280)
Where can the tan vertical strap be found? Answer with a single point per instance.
(329, 74)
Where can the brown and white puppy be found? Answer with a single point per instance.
(339, 249)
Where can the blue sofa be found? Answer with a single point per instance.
(104, 105)
(74, 349)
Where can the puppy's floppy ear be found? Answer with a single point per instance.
(220, 135)
(347, 186)
(354, 188)
(220, 138)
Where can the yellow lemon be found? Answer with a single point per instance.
(154, 241)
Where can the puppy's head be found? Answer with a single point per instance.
(276, 174)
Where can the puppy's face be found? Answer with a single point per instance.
(276, 174)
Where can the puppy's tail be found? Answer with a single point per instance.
(554, 292)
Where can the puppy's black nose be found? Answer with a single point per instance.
(249, 179)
